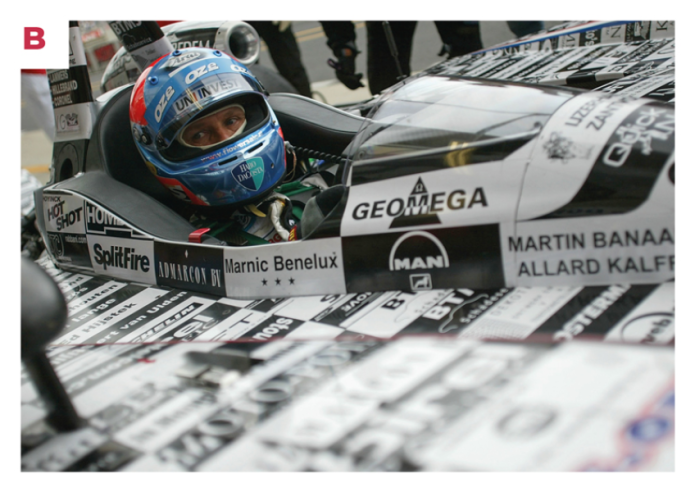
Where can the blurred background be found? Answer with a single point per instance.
(101, 44)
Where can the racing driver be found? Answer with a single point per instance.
(203, 125)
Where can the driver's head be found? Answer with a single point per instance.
(220, 126)
(203, 125)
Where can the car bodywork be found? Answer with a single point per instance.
(450, 181)
(382, 368)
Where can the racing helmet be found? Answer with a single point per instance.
(203, 125)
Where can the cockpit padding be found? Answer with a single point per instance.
(313, 125)
(119, 155)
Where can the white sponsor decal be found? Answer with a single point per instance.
(163, 102)
(652, 322)
(63, 213)
(123, 258)
(110, 315)
(305, 308)
(317, 421)
(635, 248)
(94, 296)
(77, 55)
(252, 454)
(73, 121)
(171, 419)
(233, 327)
(191, 44)
(519, 313)
(63, 450)
(176, 61)
(283, 270)
(396, 311)
(651, 328)
(397, 369)
(465, 195)
(120, 27)
(567, 149)
(209, 89)
(314, 331)
(169, 319)
(573, 391)
(195, 74)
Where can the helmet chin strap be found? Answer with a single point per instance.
(180, 139)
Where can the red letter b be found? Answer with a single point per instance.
(33, 38)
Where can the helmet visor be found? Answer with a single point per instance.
(216, 126)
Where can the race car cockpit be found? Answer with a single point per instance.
(116, 176)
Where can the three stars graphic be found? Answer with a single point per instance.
(278, 281)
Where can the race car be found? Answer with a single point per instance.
(448, 180)
(490, 197)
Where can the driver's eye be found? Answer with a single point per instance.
(231, 121)
(198, 136)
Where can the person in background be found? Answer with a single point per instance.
(37, 101)
(523, 28)
(284, 50)
(458, 38)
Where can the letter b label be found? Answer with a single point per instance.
(33, 38)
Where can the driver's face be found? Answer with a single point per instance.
(214, 128)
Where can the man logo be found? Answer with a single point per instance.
(418, 250)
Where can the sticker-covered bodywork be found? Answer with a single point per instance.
(584, 199)
(488, 170)
(387, 345)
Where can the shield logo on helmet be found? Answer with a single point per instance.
(249, 174)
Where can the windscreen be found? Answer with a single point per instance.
(434, 111)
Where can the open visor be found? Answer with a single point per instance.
(212, 97)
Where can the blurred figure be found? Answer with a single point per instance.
(341, 40)
(458, 38)
(381, 66)
(284, 51)
(37, 101)
(523, 28)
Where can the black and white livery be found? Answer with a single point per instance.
(463, 175)
(524, 193)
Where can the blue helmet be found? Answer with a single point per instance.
(203, 125)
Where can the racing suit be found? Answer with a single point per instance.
(290, 212)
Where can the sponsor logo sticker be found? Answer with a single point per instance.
(250, 173)
(176, 61)
(652, 328)
(63, 213)
(56, 245)
(122, 258)
(190, 267)
(293, 268)
(420, 207)
(421, 281)
(418, 250)
(101, 222)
